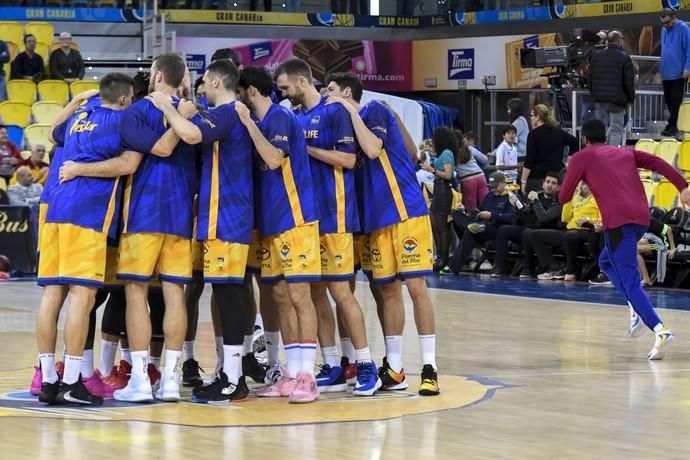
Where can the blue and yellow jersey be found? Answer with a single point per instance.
(226, 195)
(390, 190)
(89, 136)
(329, 127)
(159, 196)
(58, 156)
(286, 194)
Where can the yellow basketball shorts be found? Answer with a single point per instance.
(293, 255)
(257, 253)
(225, 262)
(72, 255)
(42, 213)
(362, 256)
(337, 256)
(144, 254)
(197, 252)
(111, 257)
(402, 250)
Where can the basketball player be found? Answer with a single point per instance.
(331, 146)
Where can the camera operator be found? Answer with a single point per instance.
(612, 84)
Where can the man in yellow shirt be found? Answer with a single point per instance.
(39, 168)
(583, 225)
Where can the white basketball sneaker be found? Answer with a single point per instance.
(137, 390)
(637, 327)
(663, 337)
(169, 389)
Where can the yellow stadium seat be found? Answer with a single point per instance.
(38, 132)
(684, 118)
(665, 195)
(21, 91)
(53, 90)
(668, 150)
(684, 157)
(14, 50)
(42, 50)
(43, 31)
(80, 86)
(45, 112)
(15, 113)
(649, 146)
(648, 190)
(11, 31)
(26, 154)
(3, 184)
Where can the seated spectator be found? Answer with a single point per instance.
(507, 155)
(24, 192)
(582, 218)
(35, 163)
(10, 155)
(475, 227)
(659, 240)
(470, 175)
(544, 212)
(4, 59)
(28, 65)
(66, 63)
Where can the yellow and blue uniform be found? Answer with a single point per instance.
(226, 195)
(81, 215)
(286, 216)
(329, 127)
(158, 201)
(393, 213)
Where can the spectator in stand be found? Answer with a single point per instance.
(66, 63)
(24, 192)
(35, 163)
(469, 174)
(543, 213)
(545, 144)
(10, 156)
(583, 225)
(445, 146)
(28, 65)
(612, 84)
(475, 227)
(674, 66)
(4, 59)
(516, 112)
(507, 155)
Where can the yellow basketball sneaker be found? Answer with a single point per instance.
(429, 385)
(663, 338)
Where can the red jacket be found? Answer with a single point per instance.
(12, 150)
(612, 176)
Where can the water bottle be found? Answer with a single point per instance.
(518, 203)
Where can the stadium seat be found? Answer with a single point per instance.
(11, 31)
(668, 150)
(53, 90)
(80, 86)
(42, 50)
(15, 113)
(649, 146)
(43, 31)
(44, 112)
(648, 190)
(684, 118)
(684, 157)
(665, 195)
(26, 154)
(16, 134)
(56, 45)
(14, 50)
(38, 132)
(21, 91)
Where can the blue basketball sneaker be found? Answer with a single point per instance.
(331, 379)
(368, 381)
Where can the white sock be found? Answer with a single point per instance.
(259, 321)
(309, 356)
(293, 353)
(363, 355)
(247, 347)
(394, 352)
(72, 369)
(330, 356)
(47, 362)
(126, 356)
(188, 350)
(87, 364)
(219, 352)
(107, 360)
(348, 349)
(272, 347)
(156, 361)
(428, 344)
(140, 362)
(658, 327)
(232, 362)
(172, 363)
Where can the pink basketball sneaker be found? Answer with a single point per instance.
(283, 387)
(97, 386)
(306, 390)
(35, 388)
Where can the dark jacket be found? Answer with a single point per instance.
(544, 212)
(4, 56)
(66, 65)
(501, 210)
(25, 66)
(545, 146)
(612, 77)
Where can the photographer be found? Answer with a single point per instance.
(611, 81)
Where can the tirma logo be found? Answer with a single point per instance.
(461, 64)
(261, 50)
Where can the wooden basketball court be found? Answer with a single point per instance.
(531, 370)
